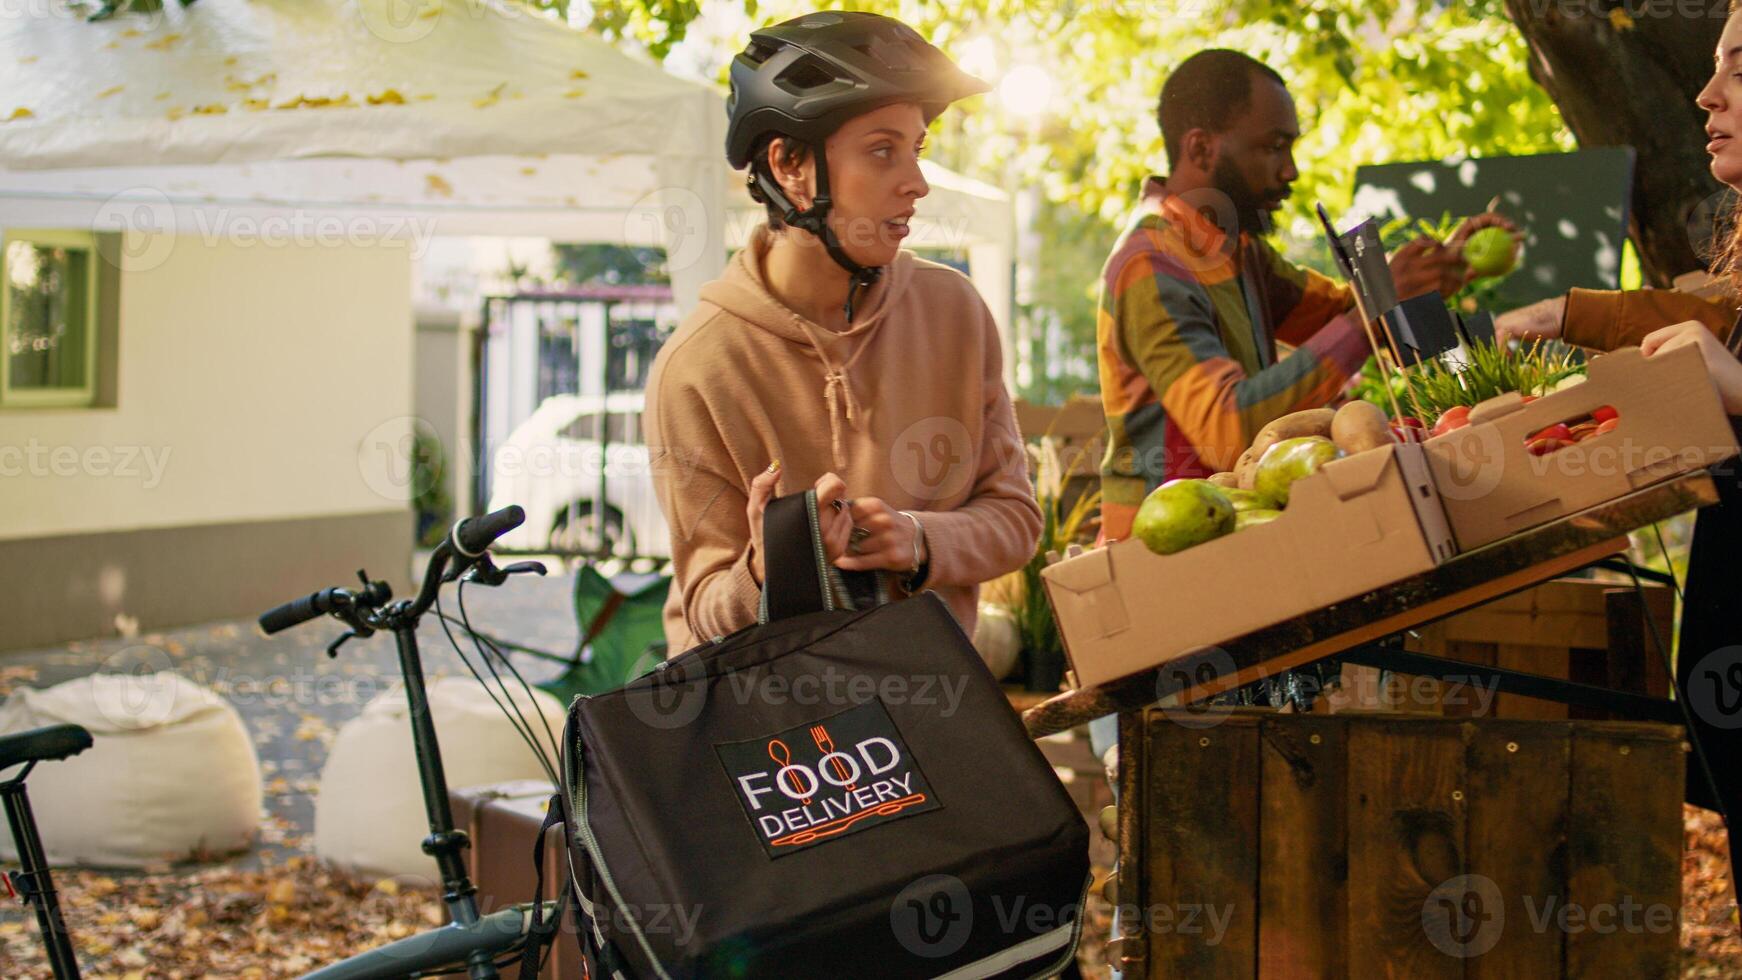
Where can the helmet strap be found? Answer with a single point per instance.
(815, 220)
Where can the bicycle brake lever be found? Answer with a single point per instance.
(484, 572)
(362, 633)
(536, 567)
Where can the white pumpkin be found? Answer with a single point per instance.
(997, 639)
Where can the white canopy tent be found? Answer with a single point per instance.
(377, 119)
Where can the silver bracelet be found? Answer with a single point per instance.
(918, 538)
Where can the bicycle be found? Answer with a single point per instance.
(32, 883)
(476, 944)
(469, 941)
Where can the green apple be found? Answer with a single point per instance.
(1490, 252)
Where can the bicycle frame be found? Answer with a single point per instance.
(475, 941)
(35, 881)
(478, 941)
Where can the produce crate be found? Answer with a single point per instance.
(1358, 524)
(1670, 422)
(1580, 630)
(1259, 844)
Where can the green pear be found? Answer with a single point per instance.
(1288, 461)
(1182, 514)
(1253, 518)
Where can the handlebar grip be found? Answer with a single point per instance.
(473, 535)
(298, 611)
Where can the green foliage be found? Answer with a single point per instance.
(435, 510)
(1370, 385)
(1060, 528)
(1073, 246)
(655, 24)
(1374, 81)
(610, 265)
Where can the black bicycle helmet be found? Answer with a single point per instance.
(803, 78)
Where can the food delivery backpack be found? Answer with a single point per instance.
(829, 793)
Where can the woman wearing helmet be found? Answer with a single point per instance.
(826, 356)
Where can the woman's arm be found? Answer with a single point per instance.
(997, 529)
(1604, 319)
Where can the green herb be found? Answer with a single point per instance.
(1488, 371)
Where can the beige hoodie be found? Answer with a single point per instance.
(908, 405)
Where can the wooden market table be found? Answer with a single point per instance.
(1365, 630)
(1471, 579)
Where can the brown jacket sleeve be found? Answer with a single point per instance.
(1604, 319)
(997, 529)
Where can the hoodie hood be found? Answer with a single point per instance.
(742, 291)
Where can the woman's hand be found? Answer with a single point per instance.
(888, 540)
(836, 523)
(1538, 321)
(761, 492)
(1722, 365)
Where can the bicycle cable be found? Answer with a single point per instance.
(525, 733)
(481, 642)
(1668, 563)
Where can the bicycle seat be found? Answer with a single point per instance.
(43, 745)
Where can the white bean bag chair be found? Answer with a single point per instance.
(370, 817)
(172, 772)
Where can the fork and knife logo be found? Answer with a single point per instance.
(781, 753)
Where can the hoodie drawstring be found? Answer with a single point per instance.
(837, 391)
(836, 383)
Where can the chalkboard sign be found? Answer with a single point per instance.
(1572, 208)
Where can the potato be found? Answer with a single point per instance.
(1228, 480)
(1246, 471)
(1360, 426)
(1312, 422)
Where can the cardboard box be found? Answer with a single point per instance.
(1671, 422)
(1360, 523)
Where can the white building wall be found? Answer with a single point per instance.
(255, 382)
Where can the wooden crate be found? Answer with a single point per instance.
(1259, 844)
(1574, 629)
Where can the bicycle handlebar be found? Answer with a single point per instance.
(466, 543)
(471, 536)
(298, 611)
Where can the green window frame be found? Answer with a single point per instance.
(74, 327)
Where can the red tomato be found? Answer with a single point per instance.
(1409, 421)
(1542, 447)
(1605, 414)
(1455, 417)
(1557, 431)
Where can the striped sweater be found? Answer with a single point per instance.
(1187, 332)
